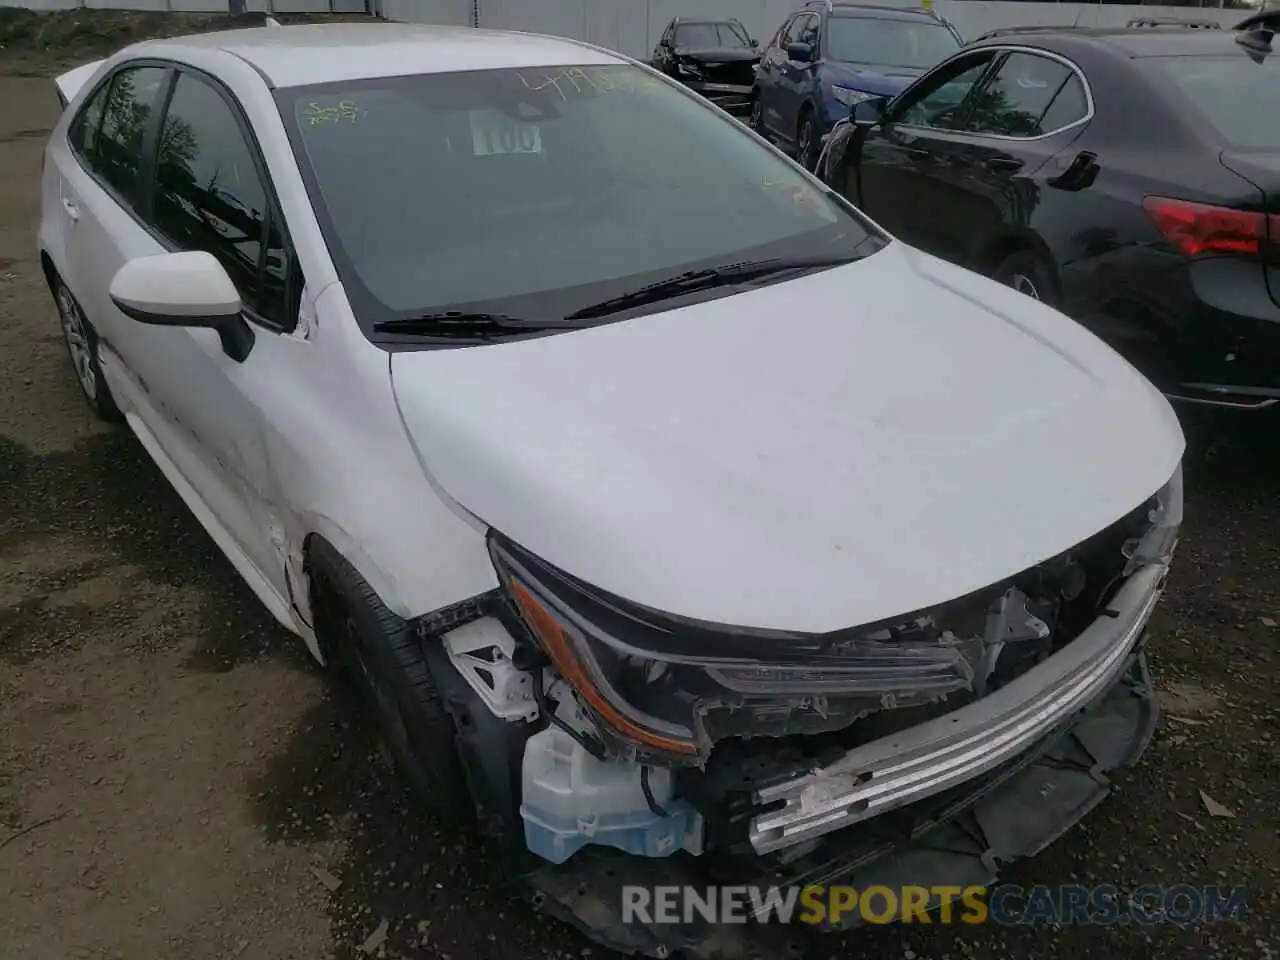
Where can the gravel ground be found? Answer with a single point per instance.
(191, 785)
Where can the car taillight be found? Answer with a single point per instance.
(1197, 228)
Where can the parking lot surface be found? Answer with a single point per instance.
(178, 779)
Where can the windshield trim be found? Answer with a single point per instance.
(365, 305)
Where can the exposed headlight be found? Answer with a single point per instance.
(651, 679)
(849, 97)
(688, 70)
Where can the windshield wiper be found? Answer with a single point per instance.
(462, 323)
(695, 280)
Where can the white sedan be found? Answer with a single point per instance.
(659, 500)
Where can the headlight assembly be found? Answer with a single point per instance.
(655, 683)
(849, 97)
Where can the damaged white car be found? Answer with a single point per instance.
(679, 524)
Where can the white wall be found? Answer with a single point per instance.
(450, 13)
(633, 26)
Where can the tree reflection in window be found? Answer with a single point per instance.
(209, 195)
(117, 150)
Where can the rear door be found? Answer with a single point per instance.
(102, 203)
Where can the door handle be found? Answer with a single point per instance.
(1003, 165)
(69, 205)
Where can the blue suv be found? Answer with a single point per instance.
(828, 56)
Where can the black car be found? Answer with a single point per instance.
(717, 58)
(1129, 177)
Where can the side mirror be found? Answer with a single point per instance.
(755, 43)
(868, 113)
(189, 289)
(802, 52)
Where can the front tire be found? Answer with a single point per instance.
(82, 347)
(807, 139)
(382, 655)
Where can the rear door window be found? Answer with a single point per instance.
(1020, 97)
(109, 134)
(1238, 98)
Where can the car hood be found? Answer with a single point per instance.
(880, 80)
(717, 55)
(819, 453)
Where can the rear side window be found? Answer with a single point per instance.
(126, 117)
(1239, 98)
(210, 196)
(108, 134)
(1019, 100)
(83, 134)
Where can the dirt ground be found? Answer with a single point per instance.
(178, 780)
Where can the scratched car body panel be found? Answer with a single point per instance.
(673, 508)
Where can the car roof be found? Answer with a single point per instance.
(1130, 42)
(319, 53)
(694, 21)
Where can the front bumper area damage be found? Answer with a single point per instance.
(956, 838)
(607, 745)
(891, 772)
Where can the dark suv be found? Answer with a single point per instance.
(717, 58)
(828, 56)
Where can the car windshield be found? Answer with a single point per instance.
(711, 36)
(539, 192)
(876, 41)
(1233, 93)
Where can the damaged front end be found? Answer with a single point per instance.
(626, 746)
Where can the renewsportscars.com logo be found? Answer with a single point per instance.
(1006, 904)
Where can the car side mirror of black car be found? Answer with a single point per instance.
(868, 113)
(755, 43)
(802, 52)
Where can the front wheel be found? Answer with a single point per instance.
(807, 140)
(755, 119)
(382, 655)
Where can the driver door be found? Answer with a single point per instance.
(897, 169)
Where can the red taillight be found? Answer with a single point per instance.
(1196, 228)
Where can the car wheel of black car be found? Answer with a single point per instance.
(82, 346)
(381, 654)
(807, 138)
(755, 119)
(1027, 273)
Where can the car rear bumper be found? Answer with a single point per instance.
(1206, 332)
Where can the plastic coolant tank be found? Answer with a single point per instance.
(571, 799)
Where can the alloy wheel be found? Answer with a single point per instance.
(76, 331)
(1024, 284)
